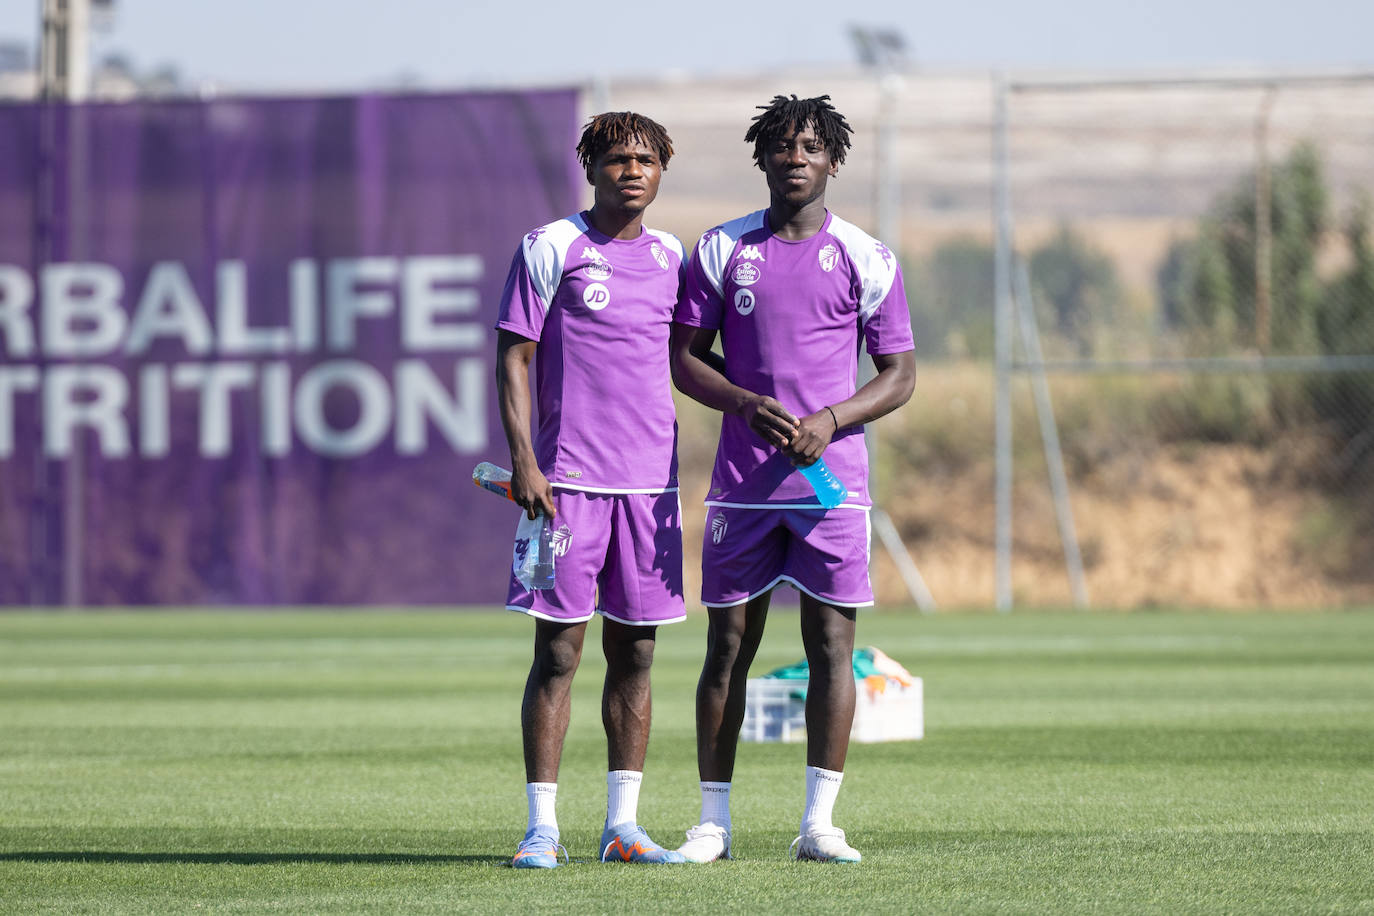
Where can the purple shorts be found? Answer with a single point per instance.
(615, 554)
(745, 552)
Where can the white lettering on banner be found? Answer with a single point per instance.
(154, 412)
(84, 313)
(91, 396)
(374, 408)
(231, 315)
(169, 307)
(13, 379)
(216, 382)
(305, 304)
(429, 292)
(81, 312)
(16, 295)
(348, 303)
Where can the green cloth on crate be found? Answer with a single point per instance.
(863, 667)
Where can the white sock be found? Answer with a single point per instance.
(622, 797)
(822, 788)
(715, 804)
(541, 797)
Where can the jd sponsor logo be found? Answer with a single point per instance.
(596, 296)
(744, 301)
(746, 274)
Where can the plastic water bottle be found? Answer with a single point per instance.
(493, 478)
(829, 489)
(535, 569)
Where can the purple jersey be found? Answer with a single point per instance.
(790, 315)
(600, 309)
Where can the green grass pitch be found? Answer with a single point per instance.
(370, 762)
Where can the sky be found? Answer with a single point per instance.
(351, 45)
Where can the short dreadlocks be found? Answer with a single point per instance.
(784, 115)
(616, 127)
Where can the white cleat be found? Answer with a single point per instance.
(706, 843)
(824, 845)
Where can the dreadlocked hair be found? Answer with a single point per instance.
(616, 127)
(782, 116)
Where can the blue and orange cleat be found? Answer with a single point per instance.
(538, 850)
(628, 842)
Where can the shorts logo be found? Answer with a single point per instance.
(660, 255)
(599, 268)
(596, 296)
(751, 253)
(746, 274)
(829, 255)
(718, 525)
(562, 540)
(744, 301)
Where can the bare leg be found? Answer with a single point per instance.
(548, 699)
(626, 703)
(732, 639)
(828, 637)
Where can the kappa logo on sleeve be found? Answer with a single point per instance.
(534, 236)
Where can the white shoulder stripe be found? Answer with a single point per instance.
(877, 265)
(545, 251)
(714, 250)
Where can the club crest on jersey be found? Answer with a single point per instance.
(596, 296)
(718, 525)
(744, 301)
(746, 274)
(751, 253)
(829, 255)
(562, 540)
(599, 268)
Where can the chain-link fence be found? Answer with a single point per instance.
(1186, 279)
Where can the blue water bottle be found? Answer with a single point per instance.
(829, 489)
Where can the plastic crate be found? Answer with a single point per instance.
(775, 710)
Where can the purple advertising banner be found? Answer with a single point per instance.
(246, 346)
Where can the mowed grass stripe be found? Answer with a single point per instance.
(370, 762)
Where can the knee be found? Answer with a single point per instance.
(556, 661)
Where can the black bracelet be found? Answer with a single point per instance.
(833, 417)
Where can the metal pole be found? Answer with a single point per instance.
(1003, 331)
(1264, 226)
(1049, 436)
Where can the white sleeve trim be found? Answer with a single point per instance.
(716, 246)
(546, 249)
(876, 264)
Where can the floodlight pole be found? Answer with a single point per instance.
(64, 79)
(1002, 321)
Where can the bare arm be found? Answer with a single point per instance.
(528, 486)
(884, 393)
(699, 373)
